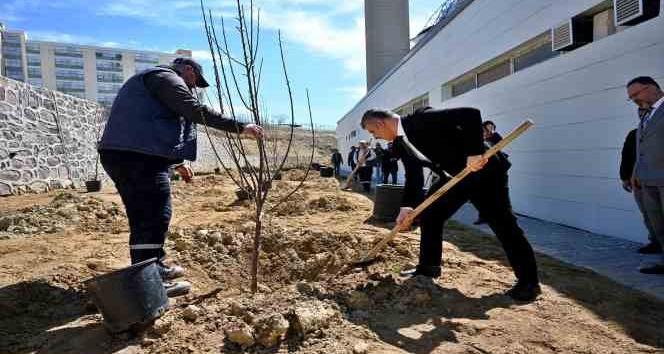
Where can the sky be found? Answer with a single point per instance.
(324, 40)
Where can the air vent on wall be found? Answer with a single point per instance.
(571, 34)
(562, 36)
(632, 12)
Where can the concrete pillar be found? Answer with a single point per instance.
(387, 36)
(90, 73)
(47, 52)
(128, 67)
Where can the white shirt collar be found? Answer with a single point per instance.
(657, 104)
(400, 131)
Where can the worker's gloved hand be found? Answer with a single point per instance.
(476, 162)
(403, 214)
(253, 130)
(627, 185)
(185, 172)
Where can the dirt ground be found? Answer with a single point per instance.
(308, 301)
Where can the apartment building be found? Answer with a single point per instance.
(90, 72)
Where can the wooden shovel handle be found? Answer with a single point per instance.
(446, 187)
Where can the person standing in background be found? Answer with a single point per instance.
(336, 160)
(648, 176)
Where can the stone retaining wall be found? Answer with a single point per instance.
(47, 138)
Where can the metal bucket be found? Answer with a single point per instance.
(387, 202)
(132, 296)
(93, 186)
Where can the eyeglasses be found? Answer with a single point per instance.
(633, 97)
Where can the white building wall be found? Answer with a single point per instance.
(565, 169)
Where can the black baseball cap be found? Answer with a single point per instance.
(201, 82)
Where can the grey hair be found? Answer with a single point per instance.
(376, 113)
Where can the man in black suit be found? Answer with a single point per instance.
(351, 158)
(491, 136)
(447, 141)
(336, 160)
(390, 164)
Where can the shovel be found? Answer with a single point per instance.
(371, 255)
(360, 161)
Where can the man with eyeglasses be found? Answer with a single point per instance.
(648, 176)
(151, 128)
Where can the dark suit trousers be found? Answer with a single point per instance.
(489, 192)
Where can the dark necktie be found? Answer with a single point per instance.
(645, 116)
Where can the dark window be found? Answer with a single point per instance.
(534, 56)
(463, 86)
(109, 55)
(494, 73)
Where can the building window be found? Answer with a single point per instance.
(11, 44)
(463, 86)
(535, 56)
(494, 73)
(146, 58)
(69, 74)
(109, 55)
(70, 86)
(34, 60)
(420, 102)
(14, 73)
(13, 63)
(69, 51)
(105, 87)
(11, 37)
(32, 48)
(11, 52)
(70, 63)
(34, 72)
(109, 77)
(353, 134)
(109, 66)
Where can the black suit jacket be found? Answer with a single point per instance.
(446, 137)
(628, 156)
(494, 139)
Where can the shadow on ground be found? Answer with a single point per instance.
(37, 316)
(640, 315)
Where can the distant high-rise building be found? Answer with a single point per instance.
(90, 72)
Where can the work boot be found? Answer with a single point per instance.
(170, 273)
(177, 288)
(426, 271)
(524, 291)
(650, 248)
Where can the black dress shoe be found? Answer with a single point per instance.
(655, 269)
(524, 291)
(431, 272)
(651, 248)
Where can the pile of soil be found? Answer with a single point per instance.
(66, 210)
